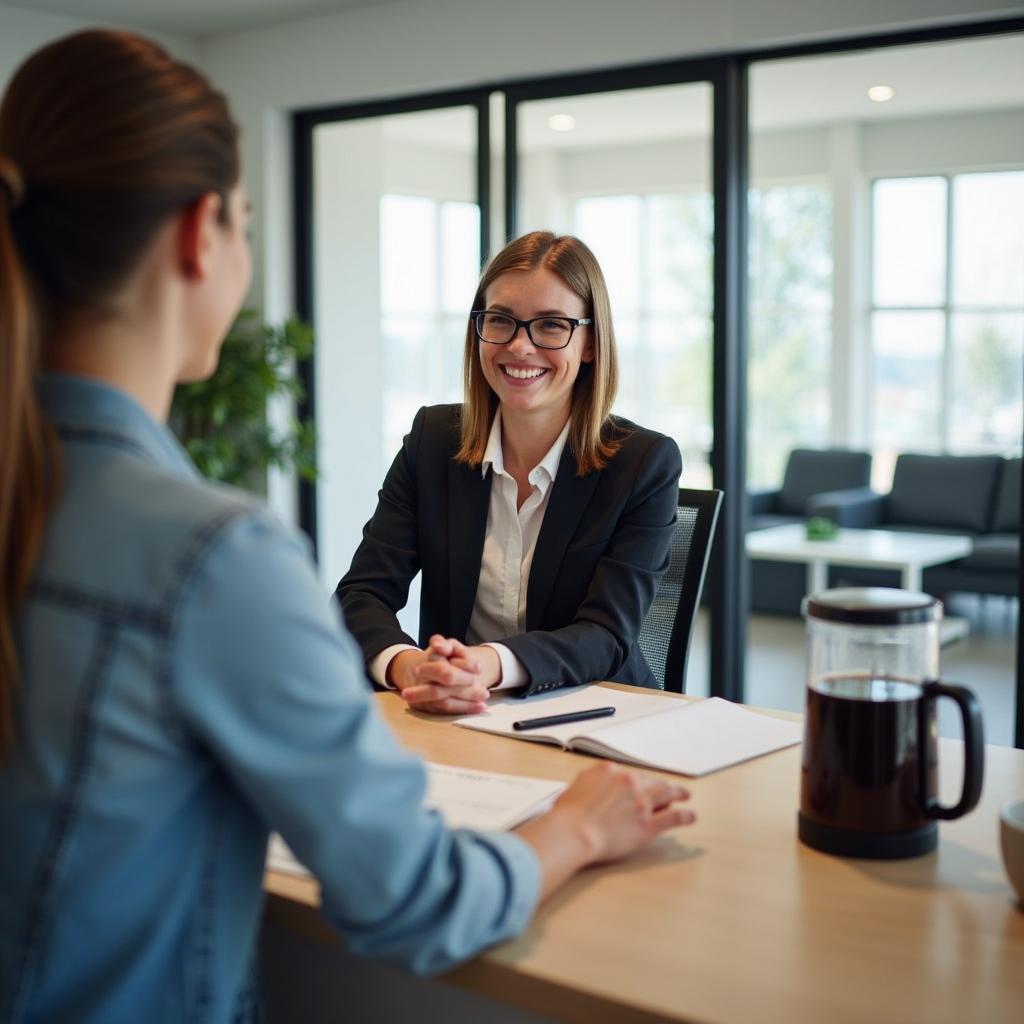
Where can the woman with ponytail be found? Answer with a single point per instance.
(173, 684)
(28, 454)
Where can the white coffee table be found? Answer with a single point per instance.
(909, 553)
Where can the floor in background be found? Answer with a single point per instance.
(985, 662)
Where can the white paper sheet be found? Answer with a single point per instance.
(466, 798)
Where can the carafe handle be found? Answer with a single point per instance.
(974, 748)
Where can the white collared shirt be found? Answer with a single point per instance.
(509, 544)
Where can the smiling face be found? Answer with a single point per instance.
(529, 380)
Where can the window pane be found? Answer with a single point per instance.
(791, 247)
(908, 382)
(396, 242)
(789, 389)
(633, 181)
(610, 225)
(790, 325)
(988, 381)
(909, 241)
(408, 254)
(407, 344)
(679, 252)
(988, 239)
(460, 255)
(680, 366)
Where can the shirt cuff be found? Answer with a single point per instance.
(379, 665)
(524, 869)
(513, 672)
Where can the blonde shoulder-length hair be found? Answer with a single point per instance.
(593, 437)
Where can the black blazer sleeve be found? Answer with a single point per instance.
(376, 586)
(617, 579)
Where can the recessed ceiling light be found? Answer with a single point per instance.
(881, 93)
(561, 122)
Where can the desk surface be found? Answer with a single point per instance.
(732, 919)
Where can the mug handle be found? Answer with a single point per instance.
(974, 748)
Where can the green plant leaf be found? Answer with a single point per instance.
(222, 421)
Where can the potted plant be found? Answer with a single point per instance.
(222, 421)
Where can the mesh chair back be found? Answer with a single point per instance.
(665, 633)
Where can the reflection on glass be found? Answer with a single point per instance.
(909, 241)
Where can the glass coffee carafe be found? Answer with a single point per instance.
(869, 781)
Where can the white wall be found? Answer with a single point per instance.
(22, 32)
(423, 45)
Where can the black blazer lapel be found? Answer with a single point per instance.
(570, 495)
(469, 493)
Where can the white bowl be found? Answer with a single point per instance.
(1011, 839)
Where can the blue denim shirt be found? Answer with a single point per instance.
(186, 689)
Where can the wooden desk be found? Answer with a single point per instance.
(732, 919)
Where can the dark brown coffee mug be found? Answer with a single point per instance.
(869, 784)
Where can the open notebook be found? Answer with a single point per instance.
(648, 729)
(466, 798)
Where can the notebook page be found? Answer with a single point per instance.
(487, 801)
(695, 739)
(466, 798)
(500, 715)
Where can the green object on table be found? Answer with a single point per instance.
(820, 528)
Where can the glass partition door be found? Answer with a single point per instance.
(629, 171)
(396, 255)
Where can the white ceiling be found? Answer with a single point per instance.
(193, 17)
(945, 78)
(984, 74)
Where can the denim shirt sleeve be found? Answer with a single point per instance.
(270, 685)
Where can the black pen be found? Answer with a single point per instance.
(572, 716)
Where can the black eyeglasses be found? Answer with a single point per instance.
(543, 331)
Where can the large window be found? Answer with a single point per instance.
(947, 313)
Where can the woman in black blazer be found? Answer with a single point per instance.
(541, 523)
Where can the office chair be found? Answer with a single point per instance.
(665, 633)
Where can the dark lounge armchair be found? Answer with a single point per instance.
(811, 477)
(814, 479)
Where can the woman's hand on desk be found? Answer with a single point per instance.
(448, 678)
(607, 813)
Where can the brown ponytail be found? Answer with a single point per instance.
(103, 138)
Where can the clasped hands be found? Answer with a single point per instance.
(448, 678)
